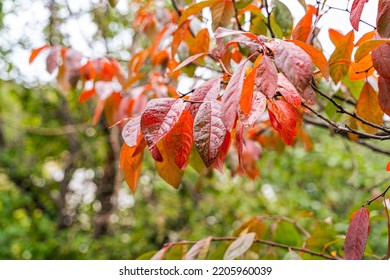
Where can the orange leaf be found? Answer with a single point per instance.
(388, 166)
(189, 60)
(167, 168)
(368, 108)
(339, 58)
(131, 165)
(362, 69)
(365, 37)
(357, 234)
(335, 36)
(222, 13)
(200, 44)
(86, 94)
(368, 46)
(302, 30)
(195, 9)
(247, 92)
(316, 56)
(178, 37)
(35, 52)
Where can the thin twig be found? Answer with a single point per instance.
(261, 241)
(375, 198)
(268, 23)
(342, 110)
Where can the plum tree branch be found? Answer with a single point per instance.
(342, 110)
(260, 241)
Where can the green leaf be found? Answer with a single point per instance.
(286, 233)
(239, 246)
(283, 17)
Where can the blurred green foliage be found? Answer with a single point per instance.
(318, 189)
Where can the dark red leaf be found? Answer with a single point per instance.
(357, 234)
(231, 97)
(356, 13)
(240, 144)
(222, 153)
(294, 62)
(266, 77)
(284, 120)
(384, 95)
(180, 139)
(258, 105)
(159, 118)
(156, 154)
(208, 91)
(209, 131)
(381, 60)
(383, 19)
(288, 91)
(132, 131)
(52, 58)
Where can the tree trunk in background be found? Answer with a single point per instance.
(64, 219)
(107, 192)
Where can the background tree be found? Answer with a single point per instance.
(258, 81)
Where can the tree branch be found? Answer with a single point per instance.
(260, 241)
(342, 110)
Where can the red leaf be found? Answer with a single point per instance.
(223, 32)
(159, 118)
(294, 62)
(231, 96)
(288, 91)
(240, 144)
(156, 154)
(316, 56)
(384, 95)
(131, 165)
(52, 58)
(132, 131)
(284, 120)
(209, 131)
(222, 153)
(35, 52)
(357, 234)
(303, 29)
(338, 61)
(258, 105)
(381, 60)
(388, 166)
(86, 94)
(266, 77)
(189, 60)
(247, 92)
(383, 19)
(180, 139)
(208, 91)
(356, 13)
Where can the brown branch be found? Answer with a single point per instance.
(345, 134)
(268, 22)
(260, 241)
(342, 110)
(375, 198)
(236, 16)
(388, 228)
